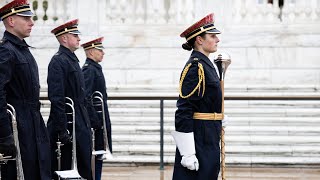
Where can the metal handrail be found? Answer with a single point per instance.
(228, 96)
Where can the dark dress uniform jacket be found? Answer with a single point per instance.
(206, 132)
(19, 86)
(94, 81)
(65, 79)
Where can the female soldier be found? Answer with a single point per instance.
(198, 117)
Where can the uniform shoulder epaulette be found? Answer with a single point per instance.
(200, 75)
(2, 41)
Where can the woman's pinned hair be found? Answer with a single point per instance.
(187, 46)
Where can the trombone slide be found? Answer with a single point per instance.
(11, 110)
(106, 153)
(73, 173)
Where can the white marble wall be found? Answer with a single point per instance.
(145, 53)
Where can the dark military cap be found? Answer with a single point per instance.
(68, 27)
(16, 7)
(206, 24)
(97, 43)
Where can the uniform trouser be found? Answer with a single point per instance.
(98, 168)
(9, 171)
(99, 145)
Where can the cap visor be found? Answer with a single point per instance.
(213, 31)
(25, 13)
(74, 32)
(100, 48)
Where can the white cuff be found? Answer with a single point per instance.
(225, 121)
(184, 142)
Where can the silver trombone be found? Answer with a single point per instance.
(96, 101)
(58, 151)
(73, 173)
(5, 159)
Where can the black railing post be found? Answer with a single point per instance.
(161, 135)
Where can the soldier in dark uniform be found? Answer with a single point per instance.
(65, 79)
(198, 117)
(19, 86)
(94, 81)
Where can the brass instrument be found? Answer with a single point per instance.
(222, 61)
(73, 173)
(5, 159)
(97, 100)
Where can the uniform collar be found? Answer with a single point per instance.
(197, 54)
(90, 61)
(68, 52)
(14, 39)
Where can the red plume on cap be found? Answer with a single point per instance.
(13, 4)
(209, 19)
(96, 43)
(19, 7)
(64, 28)
(98, 40)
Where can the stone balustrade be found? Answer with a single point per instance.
(176, 11)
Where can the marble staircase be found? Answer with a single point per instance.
(265, 131)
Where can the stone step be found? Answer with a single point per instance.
(273, 88)
(235, 112)
(301, 112)
(228, 94)
(270, 94)
(276, 121)
(272, 121)
(169, 149)
(231, 130)
(228, 104)
(228, 87)
(232, 112)
(265, 91)
(234, 121)
(229, 139)
(268, 160)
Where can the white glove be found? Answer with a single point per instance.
(186, 146)
(191, 162)
(107, 155)
(225, 121)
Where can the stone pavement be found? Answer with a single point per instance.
(235, 173)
